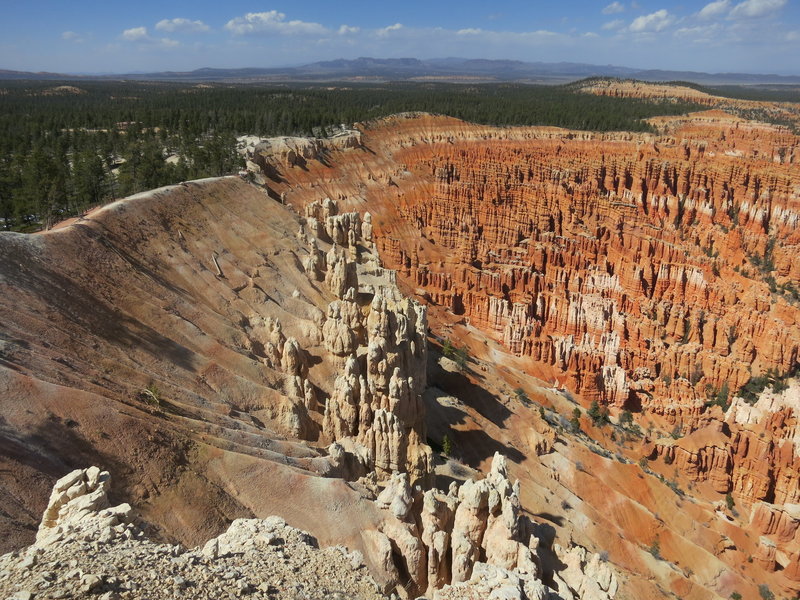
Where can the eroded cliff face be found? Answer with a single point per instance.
(648, 272)
(231, 357)
(201, 340)
(613, 262)
(617, 260)
(265, 557)
(756, 109)
(626, 263)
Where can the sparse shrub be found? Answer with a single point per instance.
(447, 445)
(625, 418)
(736, 596)
(575, 421)
(644, 463)
(600, 451)
(720, 396)
(565, 505)
(522, 397)
(603, 555)
(729, 501)
(667, 459)
(594, 410)
(673, 485)
(757, 384)
(151, 395)
(579, 467)
(655, 548)
(765, 593)
(460, 356)
(779, 386)
(677, 432)
(598, 414)
(447, 348)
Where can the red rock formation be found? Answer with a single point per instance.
(704, 455)
(646, 271)
(614, 258)
(792, 570)
(778, 521)
(765, 554)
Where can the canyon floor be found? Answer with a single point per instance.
(202, 343)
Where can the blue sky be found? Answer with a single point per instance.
(757, 36)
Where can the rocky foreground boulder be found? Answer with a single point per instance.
(85, 548)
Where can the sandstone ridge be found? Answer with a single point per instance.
(209, 345)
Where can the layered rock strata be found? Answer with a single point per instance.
(614, 258)
(753, 454)
(648, 272)
(379, 339)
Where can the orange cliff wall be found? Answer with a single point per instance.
(590, 251)
(597, 255)
(614, 258)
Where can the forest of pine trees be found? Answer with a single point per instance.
(62, 151)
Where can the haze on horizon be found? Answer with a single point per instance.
(750, 36)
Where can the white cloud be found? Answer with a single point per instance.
(71, 36)
(182, 25)
(135, 34)
(612, 25)
(469, 31)
(793, 36)
(656, 21)
(714, 9)
(614, 8)
(272, 22)
(140, 36)
(346, 30)
(752, 9)
(387, 30)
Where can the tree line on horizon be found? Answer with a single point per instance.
(64, 149)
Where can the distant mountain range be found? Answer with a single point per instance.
(412, 69)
